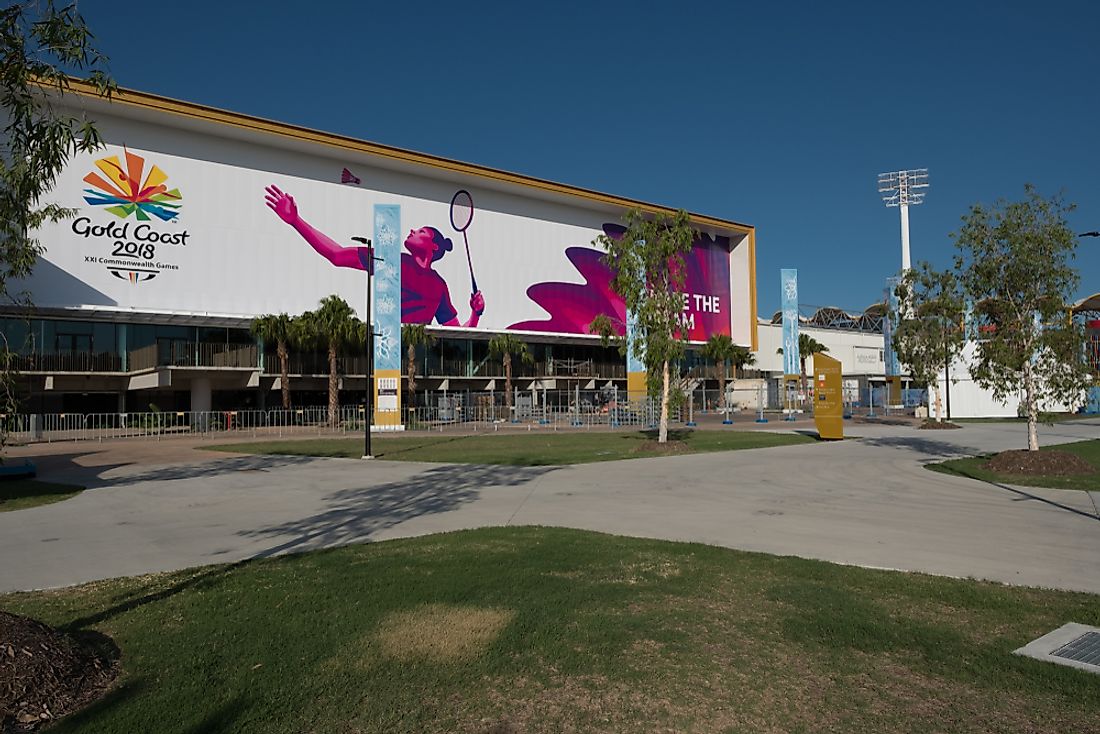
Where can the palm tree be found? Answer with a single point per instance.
(504, 346)
(807, 346)
(412, 336)
(721, 348)
(277, 328)
(335, 326)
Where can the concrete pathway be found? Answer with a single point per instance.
(867, 502)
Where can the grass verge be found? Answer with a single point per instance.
(973, 468)
(523, 449)
(19, 494)
(546, 630)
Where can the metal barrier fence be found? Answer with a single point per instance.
(448, 415)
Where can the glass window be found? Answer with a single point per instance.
(17, 332)
(104, 338)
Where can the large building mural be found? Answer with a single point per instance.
(162, 232)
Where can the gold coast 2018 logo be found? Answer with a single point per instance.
(130, 190)
(126, 192)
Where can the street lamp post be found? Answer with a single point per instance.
(368, 406)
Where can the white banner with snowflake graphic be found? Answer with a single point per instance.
(387, 287)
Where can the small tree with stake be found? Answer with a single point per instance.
(648, 263)
(930, 333)
(1014, 261)
(507, 346)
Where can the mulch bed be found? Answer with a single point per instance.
(939, 425)
(668, 447)
(1052, 463)
(46, 674)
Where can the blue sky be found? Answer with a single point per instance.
(779, 115)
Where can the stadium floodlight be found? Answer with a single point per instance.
(902, 189)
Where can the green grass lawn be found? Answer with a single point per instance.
(972, 468)
(520, 449)
(19, 494)
(547, 630)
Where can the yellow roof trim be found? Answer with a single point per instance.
(191, 110)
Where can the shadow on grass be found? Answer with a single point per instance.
(393, 453)
(84, 719)
(198, 579)
(18, 490)
(358, 515)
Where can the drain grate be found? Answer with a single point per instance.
(1085, 649)
(1074, 645)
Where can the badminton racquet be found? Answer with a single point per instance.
(462, 214)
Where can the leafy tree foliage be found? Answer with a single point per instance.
(1015, 261)
(930, 333)
(720, 348)
(277, 329)
(648, 262)
(807, 347)
(413, 336)
(40, 44)
(507, 346)
(335, 327)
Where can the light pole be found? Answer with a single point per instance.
(902, 189)
(368, 260)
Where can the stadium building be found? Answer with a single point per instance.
(192, 221)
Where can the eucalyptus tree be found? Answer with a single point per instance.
(649, 275)
(1015, 262)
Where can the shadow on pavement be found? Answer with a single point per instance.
(1023, 496)
(209, 468)
(931, 448)
(356, 515)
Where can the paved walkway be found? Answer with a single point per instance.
(866, 502)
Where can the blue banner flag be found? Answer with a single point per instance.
(387, 287)
(788, 278)
(889, 355)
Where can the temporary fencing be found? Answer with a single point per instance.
(461, 412)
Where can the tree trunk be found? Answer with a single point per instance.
(802, 374)
(284, 372)
(412, 374)
(334, 388)
(508, 385)
(1032, 409)
(662, 427)
(725, 391)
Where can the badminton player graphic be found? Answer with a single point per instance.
(425, 296)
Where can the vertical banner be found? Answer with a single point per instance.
(386, 315)
(890, 355)
(788, 278)
(636, 388)
(970, 326)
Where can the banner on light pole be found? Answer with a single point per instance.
(789, 284)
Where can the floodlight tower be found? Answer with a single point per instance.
(902, 189)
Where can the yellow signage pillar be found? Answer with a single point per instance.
(387, 400)
(893, 396)
(828, 397)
